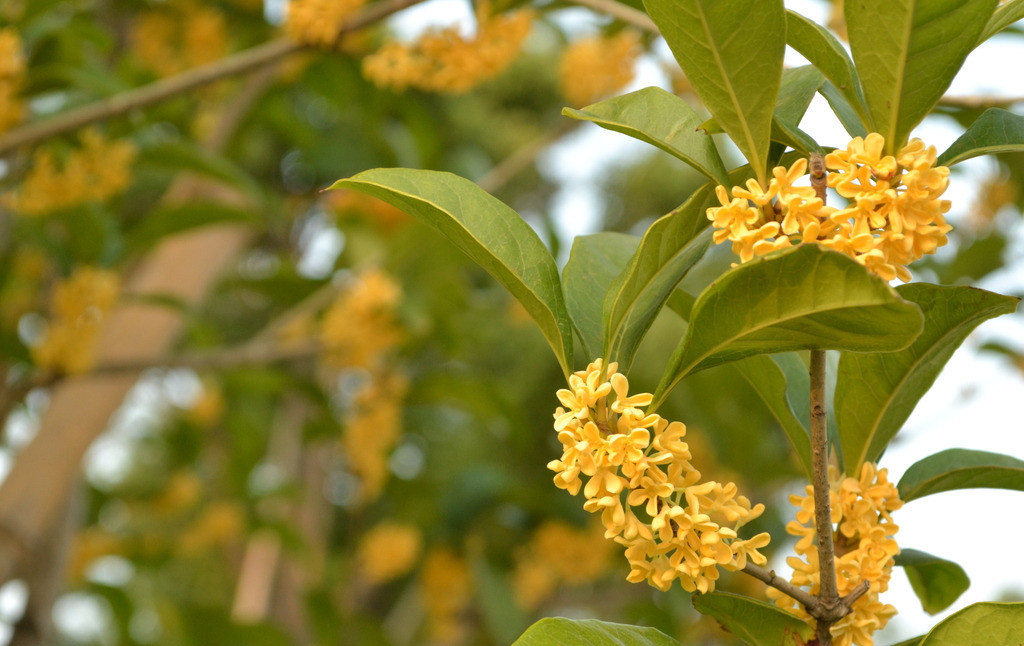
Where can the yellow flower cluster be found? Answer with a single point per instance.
(686, 529)
(97, 171)
(12, 72)
(169, 43)
(444, 61)
(864, 545)
(360, 324)
(894, 215)
(319, 22)
(595, 67)
(218, 524)
(78, 307)
(388, 551)
(372, 428)
(446, 589)
(559, 553)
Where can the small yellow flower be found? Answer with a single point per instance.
(865, 551)
(894, 215)
(639, 461)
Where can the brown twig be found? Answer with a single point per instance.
(241, 63)
(829, 593)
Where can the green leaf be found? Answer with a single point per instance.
(995, 131)
(843, 110)
(557, 631)
(818, 45)
(981, 624)
(936, 582)
(1004, 16)
(182, 155)
(961, 469)
(799, 86)
(661, 119)
(775, 379)
(875, 393)
(755, 622)
(768, 380)
(907, 53)
(503, 618)
(913, 641)
(595, 261)
(732, 54)
(669, 248)
(489, 232)
(799, 298)
(174, 218)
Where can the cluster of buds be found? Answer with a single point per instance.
(893, 218)
(640, 479)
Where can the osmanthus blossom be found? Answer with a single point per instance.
(865, 551)
(639, 479)
(894, 214)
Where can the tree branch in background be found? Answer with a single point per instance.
(243, 62)
(621, 12)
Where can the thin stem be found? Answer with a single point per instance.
(240, 63)
(806, 599)
(829, 593)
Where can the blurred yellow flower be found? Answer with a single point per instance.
(446, 589)
(445, 61)
(95, 172)
(596, 67)
(559, 553)
(360, 325)
(78, 306)
(388, 551)
(319, 22)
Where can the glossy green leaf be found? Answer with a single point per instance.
(907, 53)
(818, 45)
(799, 298)
(595, 261)
(981, 624)
(755, 622)
(961, 469)
(875, 393)
(768, 380)
(799, 85)
(661, 119)
(558, 631)
(775, 379)
(913, 641)
(995, 131)
(489, 232)
(669, 248)
(936, 582)
(1004, 16)
(732, 54)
